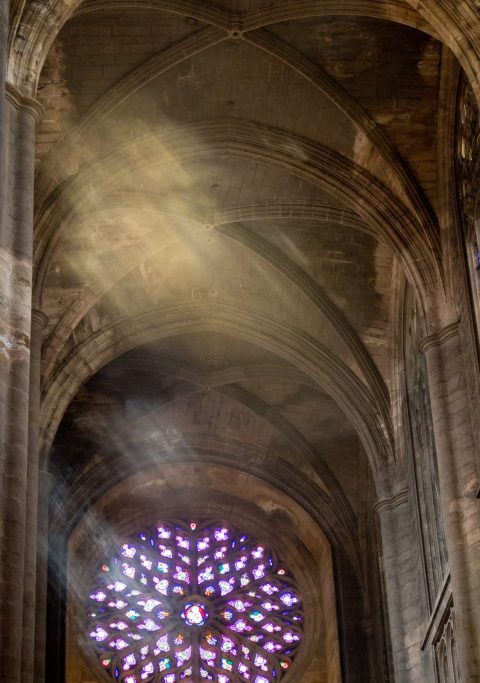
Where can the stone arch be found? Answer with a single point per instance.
(416, 244)
(387, 158)
(223, 384)
(141, 456)
(457, 26)
(240, 234)
(246, 499)
(301, 350)
(28, 52)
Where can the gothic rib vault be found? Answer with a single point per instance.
(236, 287)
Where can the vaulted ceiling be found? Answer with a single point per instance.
(259, 189)
(230, 199)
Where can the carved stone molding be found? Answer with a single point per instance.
(391, 503)
(19, 101)
(442, 605)
(39, 318)
(441, 635)
(439, 338)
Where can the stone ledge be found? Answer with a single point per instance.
(40, 318)
(19, 101)
(437, 339)
(391, 503)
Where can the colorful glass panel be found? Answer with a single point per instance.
(193, 601)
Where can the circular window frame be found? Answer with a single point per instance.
(207, 490)
(180, 541)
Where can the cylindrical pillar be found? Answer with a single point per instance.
(45, 480)
(4, 6)
(16, 239)
(39, 321)
(459, 481)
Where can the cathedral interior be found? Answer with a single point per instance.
(239, 341)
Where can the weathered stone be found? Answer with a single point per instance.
(242, 220)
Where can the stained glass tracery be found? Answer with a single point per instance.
(192, 602)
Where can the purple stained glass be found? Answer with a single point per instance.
(194, 600)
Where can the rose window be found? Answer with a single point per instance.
(193, 602)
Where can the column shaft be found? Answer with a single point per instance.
(3, 69)
(31, 546)
(402, 584)
(44, 485)
(459, 481)
(16, 239)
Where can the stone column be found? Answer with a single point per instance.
(39, 321)
(402, 585)
(45, 481)
(16, 239)
(459, 481)
(3, 69)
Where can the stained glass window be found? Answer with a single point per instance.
(191, 602)
(468, 176)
